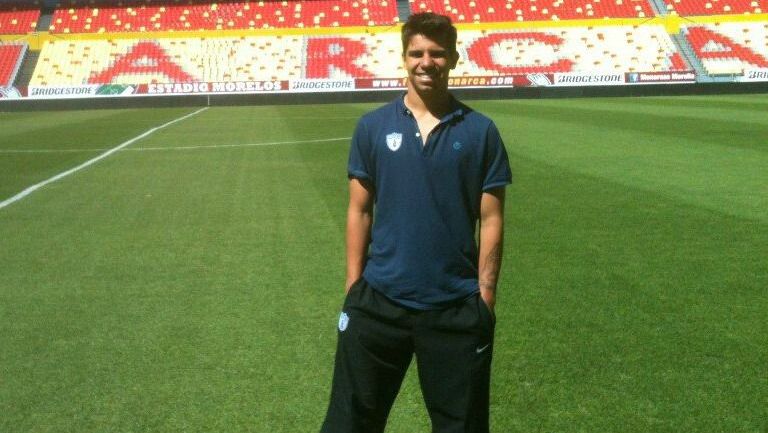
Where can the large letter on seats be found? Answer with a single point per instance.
(147, 58)
(481, 53)
(339, 53)
(708, 44)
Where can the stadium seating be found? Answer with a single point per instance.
(11, 56)
(730, 48)
(18, 18)
(168, 60)
(477, 11)
(139, 16)
(614, 49)
(723, 48)
(716, 7)
(572, 49)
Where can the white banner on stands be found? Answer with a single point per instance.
(62, 92)
(755, 75)
(587, 79)
(238, 87)
(661, 77)
(322, 85)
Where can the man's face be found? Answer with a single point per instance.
(428, 64)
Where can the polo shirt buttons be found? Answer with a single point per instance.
(418, 135)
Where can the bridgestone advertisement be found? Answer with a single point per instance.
(86, 91)
(588, 79)
(322, 85)
(755, 75)
(359, 84)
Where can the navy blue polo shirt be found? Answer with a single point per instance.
(423, 252)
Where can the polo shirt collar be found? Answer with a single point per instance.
(456, 109)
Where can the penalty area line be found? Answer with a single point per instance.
(94, 160)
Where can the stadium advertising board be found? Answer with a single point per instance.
(195, 88)
(671, 77)
(154, 89)
(321, 85)
(539, 79)
(358, 84)
(588, 79)
(9, 93)
(453, 82)
(755, 75)
(58, 92)
(84, 91)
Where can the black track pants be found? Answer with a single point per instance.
(377, 339)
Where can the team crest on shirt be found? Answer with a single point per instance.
(394, 140)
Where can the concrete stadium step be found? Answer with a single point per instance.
(403, 10)
(45, 20)
(27, 68)
(688, 55)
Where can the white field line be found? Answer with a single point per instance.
(2, 151)
(221, 146)
(209, 146)
(92, 161)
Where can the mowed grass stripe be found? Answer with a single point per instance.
(740, 129)
(717, 108)
(751, 105)
(696, 170)
(199, 291)
(642, 305)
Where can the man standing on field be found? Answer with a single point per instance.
(430, 168)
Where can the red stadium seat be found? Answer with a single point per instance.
(10, 60)
(80, 16)
(477, 11)
(18, 17)
(716, 7)
(725, 49)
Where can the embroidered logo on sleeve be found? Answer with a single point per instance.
(394, 140)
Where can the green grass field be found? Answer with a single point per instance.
(191, 282)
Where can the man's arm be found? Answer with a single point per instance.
(359, 220)
(491, 241)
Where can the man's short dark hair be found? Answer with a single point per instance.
(438, 28)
